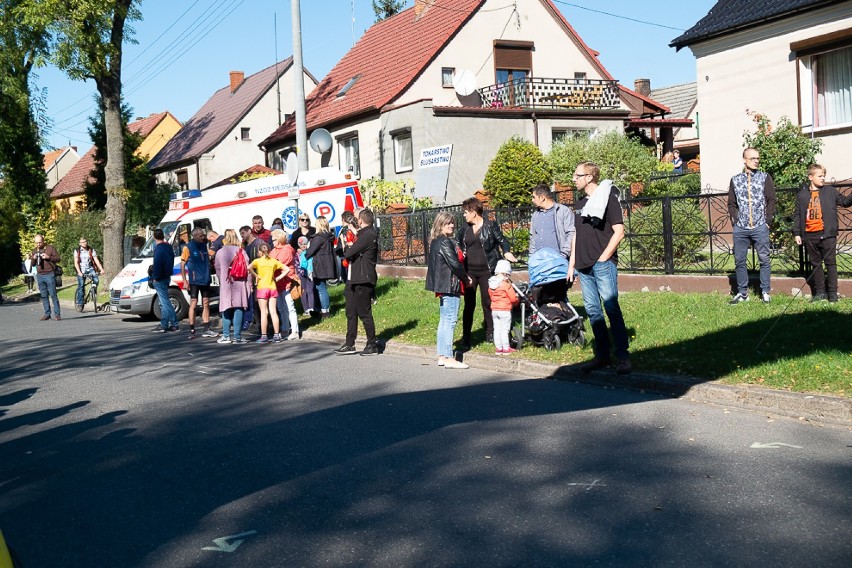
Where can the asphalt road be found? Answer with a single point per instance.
(123, 448)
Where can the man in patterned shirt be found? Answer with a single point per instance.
(751, 206)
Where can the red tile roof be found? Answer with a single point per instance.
(219, 115)
(74, 182)
(255, 169)
(389, 57)
(51, 157)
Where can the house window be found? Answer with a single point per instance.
(447, 76)
(348, 155)
(402, 151)
(825, 80)
(512, 66)
(245, 134)
(558, 134)
(182, 179)
(579, 77)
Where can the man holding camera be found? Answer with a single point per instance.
(46, 258)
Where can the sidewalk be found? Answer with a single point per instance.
(812, 408)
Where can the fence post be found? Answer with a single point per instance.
(424, 234)
(668, 248)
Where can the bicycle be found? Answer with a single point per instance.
(91, 295)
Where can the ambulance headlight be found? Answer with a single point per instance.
(130, 291)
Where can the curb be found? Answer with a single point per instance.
(813, 408)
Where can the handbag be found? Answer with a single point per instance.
(296, 288)
(58, 279)
(57, 271)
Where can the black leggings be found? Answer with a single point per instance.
(480, 281)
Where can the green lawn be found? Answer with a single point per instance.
(807, 347)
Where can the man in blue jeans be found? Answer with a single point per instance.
(161, 277)
(598, 230)
(751, 206)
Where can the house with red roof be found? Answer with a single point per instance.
(222, 137)
(70, 192)
(774, 58)
(470, 73)
(57, 163)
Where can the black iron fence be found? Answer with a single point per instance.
(689, 234)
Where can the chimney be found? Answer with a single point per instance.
(237, 78)
(642, 86)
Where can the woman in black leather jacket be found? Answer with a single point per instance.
(483, 244)
(321, 250)
(446, 277)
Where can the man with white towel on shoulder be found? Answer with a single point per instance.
(599, 227)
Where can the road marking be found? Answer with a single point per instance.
(222, 544)
(772, 445)
(588, 486)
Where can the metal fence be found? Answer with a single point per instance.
(689, 234)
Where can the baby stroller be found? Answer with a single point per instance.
(547, 318)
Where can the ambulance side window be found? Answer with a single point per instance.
(203, 224)
(184, 231)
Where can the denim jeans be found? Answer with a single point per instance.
(80, 279)
(322, 290)
(287, 312)
(600, 285)
(47, 287)
(759, 236)
(233, 316)
(447, 325)
(168, 317)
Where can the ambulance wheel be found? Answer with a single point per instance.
(517, 337)
(178, 303)
(552, 341)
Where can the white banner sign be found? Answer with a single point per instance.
(433, 171)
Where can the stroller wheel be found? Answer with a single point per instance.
(517, 337)
(577, 337)
(552, 341)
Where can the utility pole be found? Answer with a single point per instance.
(299, 82)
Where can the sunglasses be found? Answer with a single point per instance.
(304, 219)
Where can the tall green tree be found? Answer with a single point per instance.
(24, 198)
(87, 42)
(146, 199)
(384, 9)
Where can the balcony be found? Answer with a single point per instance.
(552, 94)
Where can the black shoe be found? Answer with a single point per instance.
(370, 349)
(623, 367)
(819, 298)
(833, 299)
(345, 350)
(594, 365)
(489, 337)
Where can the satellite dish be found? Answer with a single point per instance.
(292, 171)
(464, 82)
(320, 140)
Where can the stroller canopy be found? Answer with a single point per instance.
(547, 265)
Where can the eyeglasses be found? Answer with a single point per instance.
(576, 175)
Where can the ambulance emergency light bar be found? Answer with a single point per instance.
(187, 194)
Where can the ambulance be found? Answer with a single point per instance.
(324, 192)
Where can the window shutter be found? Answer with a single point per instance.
(513, 56)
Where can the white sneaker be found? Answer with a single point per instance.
(293, 336)
(223, 339)
(209, 333)
(453, 364)
(765, 297)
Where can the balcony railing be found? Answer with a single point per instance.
(555, 94)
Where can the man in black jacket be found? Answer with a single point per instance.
(360, 285)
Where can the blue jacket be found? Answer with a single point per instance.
(164, 262)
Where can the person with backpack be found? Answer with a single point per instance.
(234, 287)
(87, 263)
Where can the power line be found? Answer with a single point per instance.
(619, 16)
(159, 37)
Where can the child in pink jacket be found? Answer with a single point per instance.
(503, 297)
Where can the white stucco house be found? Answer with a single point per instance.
(221, 138)
(779, 58)
(392, 94)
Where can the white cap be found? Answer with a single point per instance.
(503, 267)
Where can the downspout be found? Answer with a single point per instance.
(381, 154)
(198, 172)
(535, 129)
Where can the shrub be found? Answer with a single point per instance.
(688, 222)
(379, 193)
(689, 184)
(518, 167)
(621, 158)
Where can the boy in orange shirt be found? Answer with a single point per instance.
(503, 297)
(815, 226)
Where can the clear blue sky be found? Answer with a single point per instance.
(185, 49)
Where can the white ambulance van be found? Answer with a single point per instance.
(324, 192)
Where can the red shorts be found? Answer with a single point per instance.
(266, 293)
